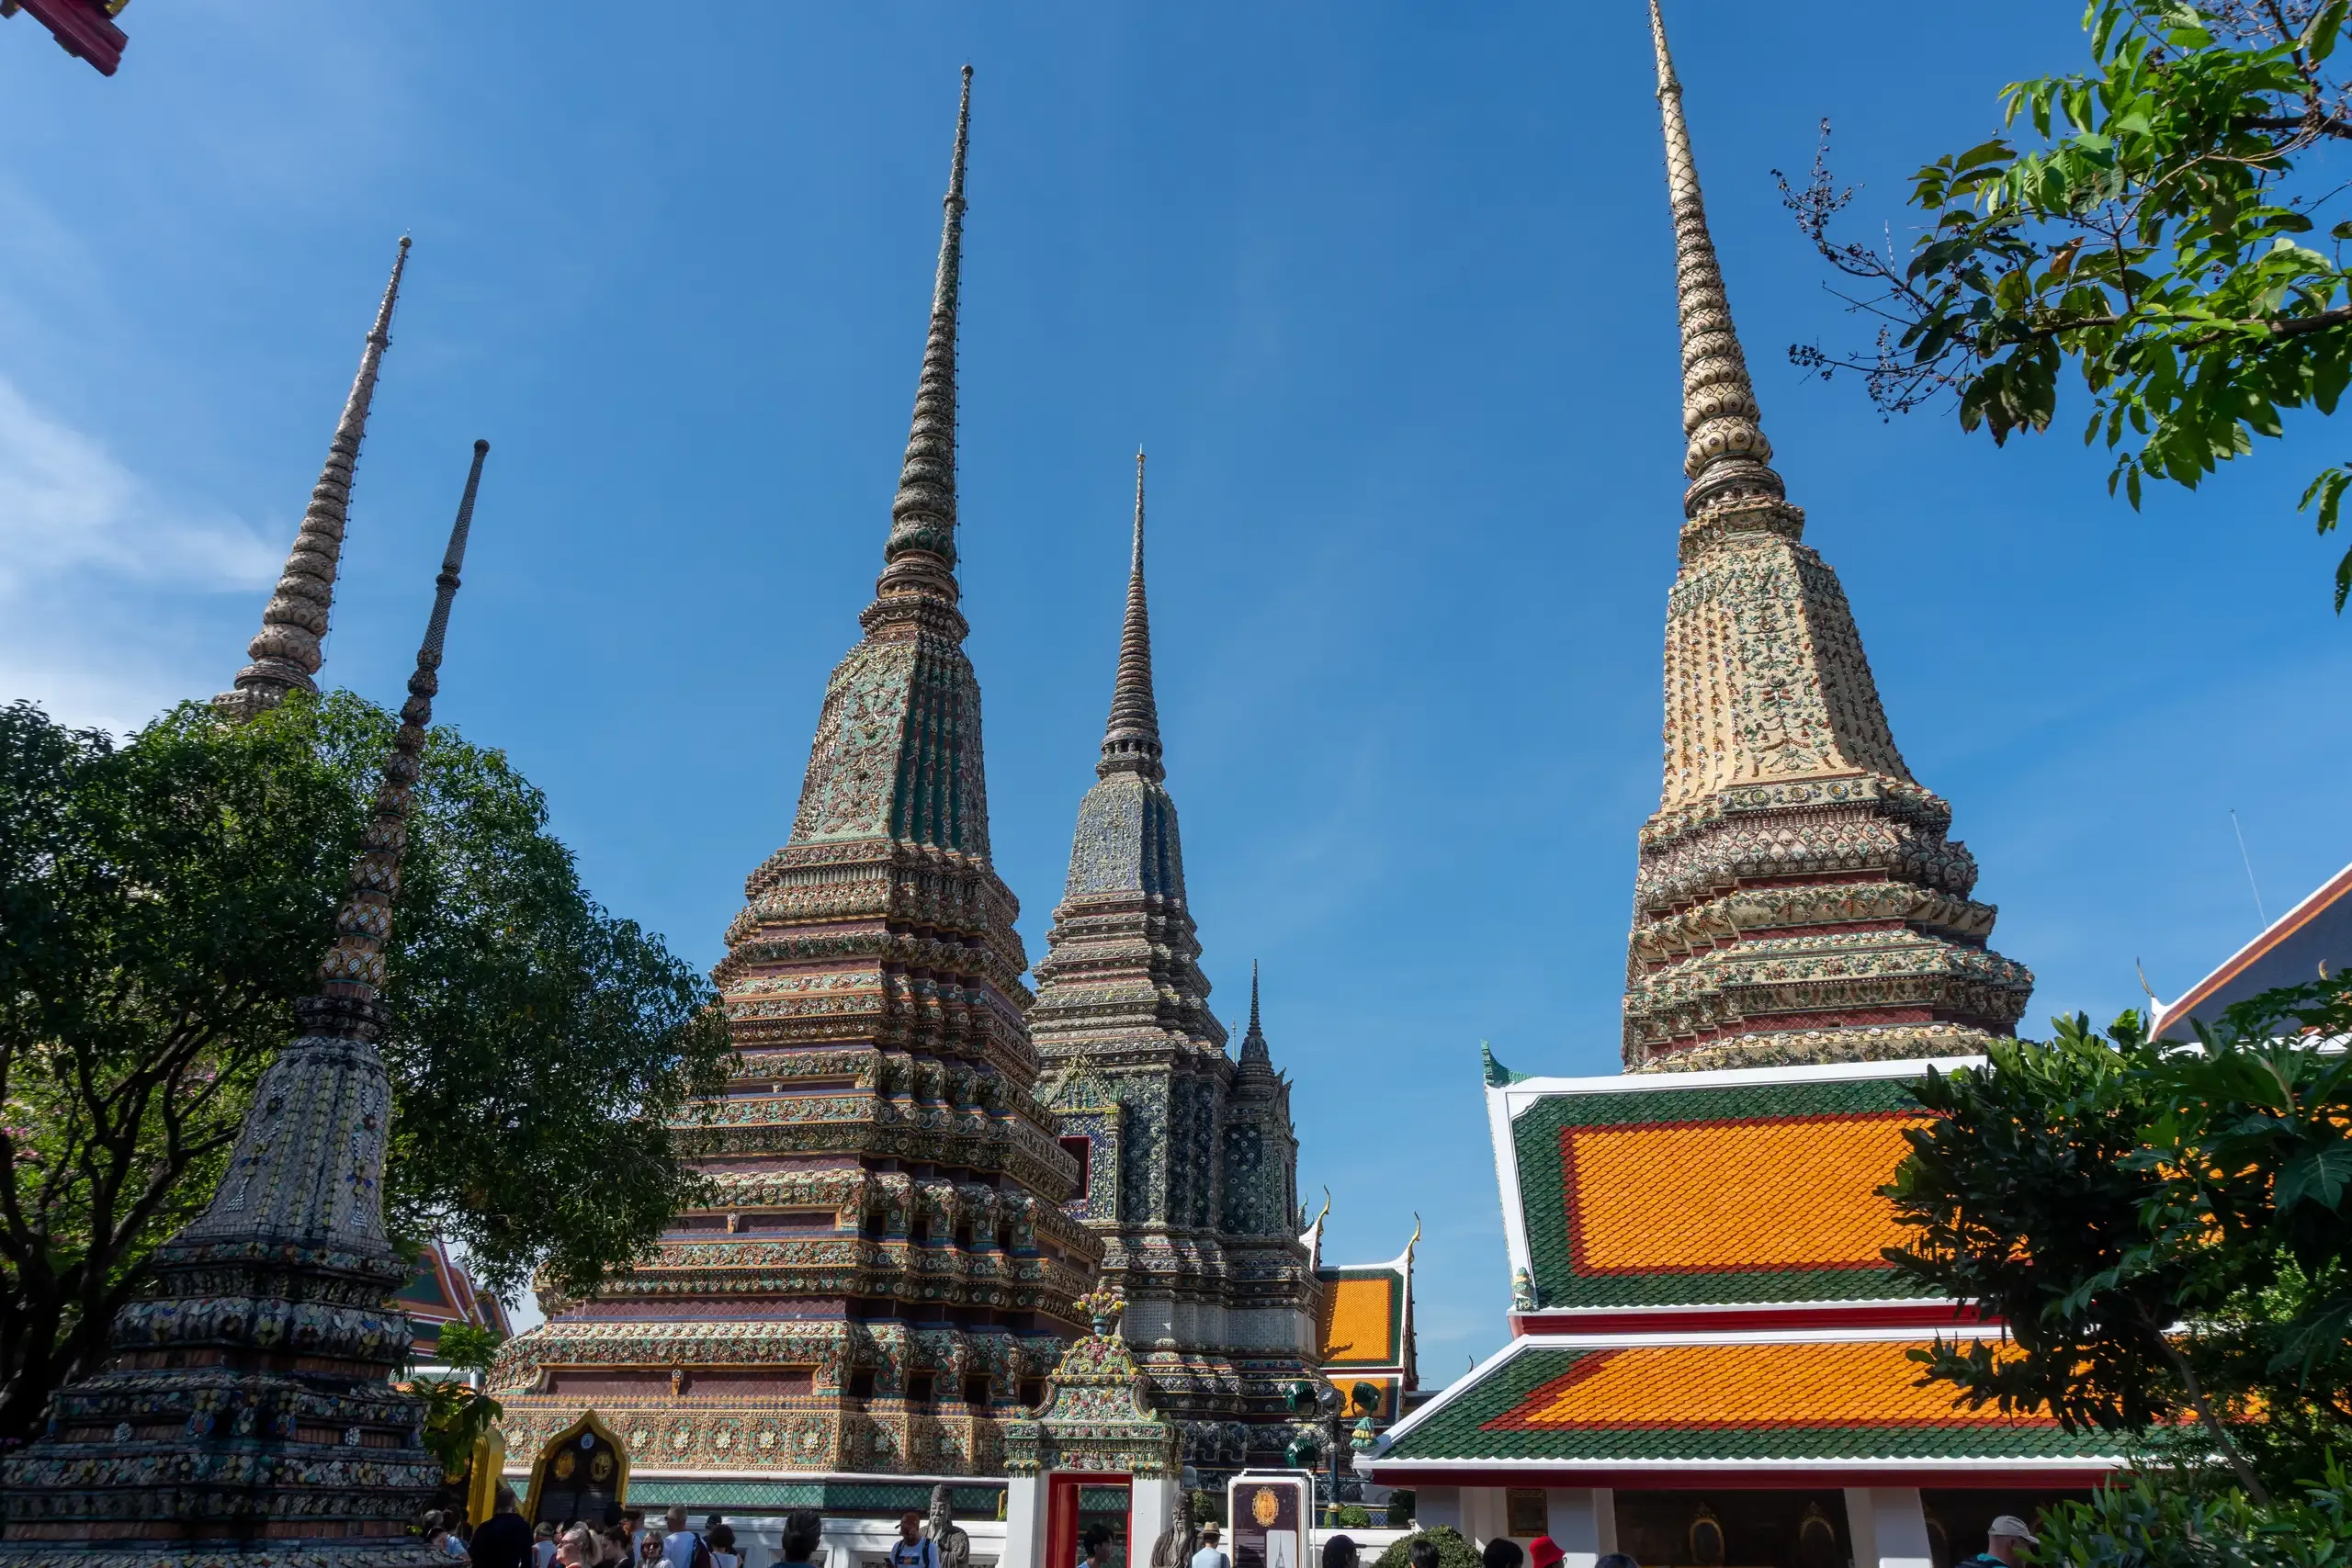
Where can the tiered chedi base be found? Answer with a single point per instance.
(1797, 899)
(247, 1416)
(884, 1273)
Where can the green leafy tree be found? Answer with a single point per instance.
(164, 901)
(2159, 232)
(2165, 1234)
(2149, 1520)
(456, 1413)
(467, 1348)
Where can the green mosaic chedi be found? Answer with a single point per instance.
(884, 1273)
(1193, 1162)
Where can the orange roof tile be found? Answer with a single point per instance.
(1838, 1384)
(1719, 1196)
(1359, 1320)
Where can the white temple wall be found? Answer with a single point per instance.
(1584, 1523)
(1888, 1527)
(1438, 1505)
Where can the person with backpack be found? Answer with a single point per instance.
(911, 1550)
(682, 1548)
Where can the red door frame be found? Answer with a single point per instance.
(1062, 1513)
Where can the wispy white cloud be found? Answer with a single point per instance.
(95, 567)
(66, 504)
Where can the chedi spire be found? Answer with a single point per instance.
(1727, 451)
(286, 653)
(1797, 899)
(920, 557)
(246, 1413)
(1253, 1039)
(1131, 737)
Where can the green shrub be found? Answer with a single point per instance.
(1353, 1516)
(1452, 1552)
(2154, 1520)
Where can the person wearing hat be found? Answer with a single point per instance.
(1543, 1552)
(1208, 1556)
(2003, 1540)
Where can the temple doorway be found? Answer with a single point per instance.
(1077, 1502)
(580, 1476)
(1735, 1529)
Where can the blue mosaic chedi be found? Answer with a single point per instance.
(1191, 1163)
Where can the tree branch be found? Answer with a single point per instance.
(2206, 1414)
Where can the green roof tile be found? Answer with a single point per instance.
(1489, 1420)
(1536, 1134)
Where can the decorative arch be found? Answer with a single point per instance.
(548, 1460)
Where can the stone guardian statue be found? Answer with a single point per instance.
(954, 1546)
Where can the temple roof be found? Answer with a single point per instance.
(441, 1292)
(1367, 1312)
(1735, 1188)
(1725, 1403)
(2311, 939)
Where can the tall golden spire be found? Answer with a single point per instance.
(1727, 452)
(286, 653)
(1796, 898)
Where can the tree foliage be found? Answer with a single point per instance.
(2165, 1233)
(457, 1415)
(467, 1348)
(160, 903)
(2159, 231)
(164, 900)
(2150, 1520)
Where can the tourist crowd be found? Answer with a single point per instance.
(622, 1541)
(625, 1541)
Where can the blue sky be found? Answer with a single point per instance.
(1387, 291)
